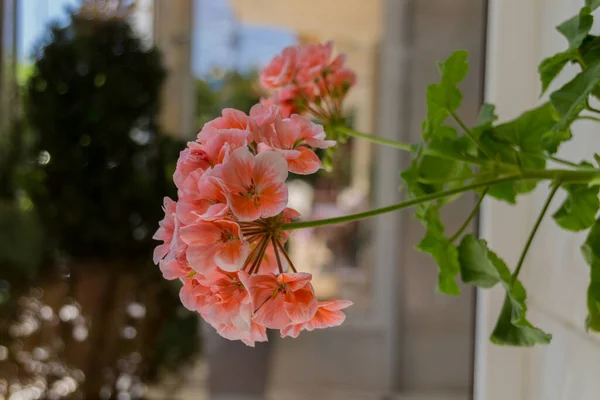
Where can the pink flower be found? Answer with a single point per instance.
(201, 197)
(290, 136)
(280, 71)
(192, 158)
(175, 265)
(318, 85)
(341, 80)
(328, 315)
(312, 61)
(264, 114)
(170, 256)
(254, 185)
(281, 300)
(213, 244)
(256, 333)
(231, 301)
(195, 294)
(165, 230)
(233, 123)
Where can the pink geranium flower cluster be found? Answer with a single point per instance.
(306, 80)
(224, 237)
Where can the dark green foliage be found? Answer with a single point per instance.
(92, 102)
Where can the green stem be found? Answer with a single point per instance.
(375, 139)
(588, 117)
(566, 162)
(534, 231)
(470, 217)
(453, 157)
(561, 175)
(411, 148)
(590, 108)
(469, 133)
(398, 206)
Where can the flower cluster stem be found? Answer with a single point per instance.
(454, 157)
(559, 175)
(399, 206)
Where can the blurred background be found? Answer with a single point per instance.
(97, 98)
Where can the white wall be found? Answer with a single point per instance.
(521, 33)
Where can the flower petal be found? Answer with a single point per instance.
(232, 255)
(306, 163)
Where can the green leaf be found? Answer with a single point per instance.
(552, 66)
(476, 267)
(591, 253)
(512, 329)
(593, 4)
(578, 212)
(590, 49)
(435, 243)
(571, 99)
(529, 131)
(482, 267)
(444, 97)
(487, 116)
(443, 252)
(504, 191)
(577, 28)
(524, 142)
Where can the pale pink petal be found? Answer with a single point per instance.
(329, 314)
(215, 211)
(292, 330)
(272, 314)
(289, 214)
(307, 163)
(236, 174)
(243, 318)
(200, 233)
(269, 166)
(295, 281)
(202, 258)
(264, 114)
(300, 305)
(273, 199)
(160, 252)
(335, 304)
(258, 333)
(175, 268)
(288, 132)
(243, 207)
(232, 255)
(260, 287)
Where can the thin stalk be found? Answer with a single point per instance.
(534, 231)
(375, 139)
(469, 133)
(453, 157)
(470, 217)
(411, 148)
(589, 117)
(590, 108)
(566, 162)
(287, 257)
(250, 257)
(276, 251)
(561, 175)
(263, 247)
(399, 206)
